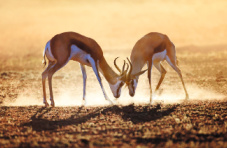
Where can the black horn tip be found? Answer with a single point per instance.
(115, 64)
(116, 58)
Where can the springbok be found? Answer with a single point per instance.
(151, 49)
(73, 46)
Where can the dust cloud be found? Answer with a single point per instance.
(168, 96)
(116, 26)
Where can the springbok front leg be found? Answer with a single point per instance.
(84, 83)
(95, 69)
(149, 65)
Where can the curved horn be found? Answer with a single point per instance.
(124, 73)
(115, 64)
(123, 67)
(127, 68)
(130, 65)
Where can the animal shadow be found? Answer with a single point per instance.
(141, 114)
(39, 123)
(128, 113)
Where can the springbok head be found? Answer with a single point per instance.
(121, 79)
(132, 79)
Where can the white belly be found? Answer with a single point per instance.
(160, 56)
(79, 55)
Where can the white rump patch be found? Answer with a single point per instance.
(48, 52)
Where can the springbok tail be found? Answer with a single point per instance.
(177, 62)
(44, 61)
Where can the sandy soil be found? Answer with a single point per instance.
(201, 124)
(197, 28)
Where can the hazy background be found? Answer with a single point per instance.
(27, 25)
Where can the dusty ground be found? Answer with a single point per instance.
(201, 124)
(199, 33)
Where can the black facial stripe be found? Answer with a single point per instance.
(118, 89)
(132, 82)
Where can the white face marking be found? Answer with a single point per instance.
(114, 88)
(48, 52)
(79, 55)
(160, 56)
(135, 84)
(132, 87)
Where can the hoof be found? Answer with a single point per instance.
(159, 104)
(116, 101)
(84, 103)
(151, 101)
(158, 91)
(52, 104)
(46, 104)
(131, 104)
(187, 97)
(111, 103)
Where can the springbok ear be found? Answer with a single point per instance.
(140, 73)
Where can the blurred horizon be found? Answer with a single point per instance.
(26, 25)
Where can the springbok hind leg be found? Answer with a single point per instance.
(162, 71)
(174, 66)
(53, 69)
(44, 76)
